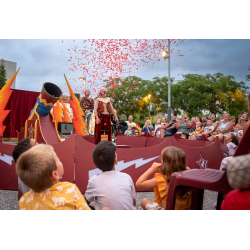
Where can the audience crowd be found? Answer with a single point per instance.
(39, 169)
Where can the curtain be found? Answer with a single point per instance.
(20, 104)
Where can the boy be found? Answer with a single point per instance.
(111, 188)
(208, 129)
(40, 169)
(128, 131)
(146, 128)
(21, 147)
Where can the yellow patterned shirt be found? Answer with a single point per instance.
(61, 196)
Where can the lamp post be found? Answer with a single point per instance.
(166, 54)
(149, 105)
(81, 79)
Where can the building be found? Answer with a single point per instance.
(10, 71)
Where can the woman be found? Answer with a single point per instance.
(223, 129)
(102, 110)
(214, 122)
(184, 126)
(241, 122)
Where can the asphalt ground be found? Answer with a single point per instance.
(9, 201)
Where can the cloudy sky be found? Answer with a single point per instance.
(46, 60)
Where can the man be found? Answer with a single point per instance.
(87, 105)
(130, 121)
(102, 110)
(170, 128)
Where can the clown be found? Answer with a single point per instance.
(102, 110)
(87, 105)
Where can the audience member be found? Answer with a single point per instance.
(112, 189)
(232, 119)
(146, 128)
(204, 121)
(191, 137)
(198, 129)
(40, 169)
(172, 160)
(158, 125)
(240, 136)
(241, 122)
(21, 147)
(208, 129)
(214, 122)
(183, 136)
(247, 124)
(184, 126)
(130, 122)
(129, 131)
(223, 129)
(163, 121)
(232, 143)
(170, 128)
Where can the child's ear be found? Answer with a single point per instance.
(55, 176)
(115, 162)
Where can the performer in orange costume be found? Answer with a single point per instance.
(102, 109)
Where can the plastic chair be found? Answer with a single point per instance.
(198, 180)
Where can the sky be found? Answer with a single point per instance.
(47, 60)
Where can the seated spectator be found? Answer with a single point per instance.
(184, 126)
(241, 122)
(163, 121)
(191, 137)
(240, 136)
(40, 169)
(232, 143)
(158, 125)
(232, 119)
(146, 128)
(198, 119)
(193, 122)
(129, 131)
(112, 189)
(172, 160)
(198, 129)
(130, 122)
(214, 122)
(208, 130)
(21, 147)
(223, 129)
(183, 136)
(169, 129)
(150, 125)
(247, 124)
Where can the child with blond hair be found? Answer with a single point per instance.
(40, 169)
(172, 160)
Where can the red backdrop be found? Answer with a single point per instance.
(20, 104)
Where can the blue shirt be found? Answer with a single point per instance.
(170, 129)
(145, 130)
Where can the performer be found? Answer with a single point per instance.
(87, 105)
(102, 110)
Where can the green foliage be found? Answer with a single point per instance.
(248, 76)
(215, 93)
(3, 78)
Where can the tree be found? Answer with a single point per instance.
(3, 78)
(216, 93)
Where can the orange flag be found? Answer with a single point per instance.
(5, 94)
(57, 112)
(78, 123)
(66, 112)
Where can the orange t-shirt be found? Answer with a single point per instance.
(161, 194)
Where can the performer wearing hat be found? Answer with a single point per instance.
(102, 110)
(87, 105)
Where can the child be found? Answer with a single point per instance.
(111, 188)
(208, 129)
(199, 129)
(191, 137)
(21, 147)
(184, 136)
(172, 160)
(128, 131)
(240, 136)
(158, 125)
(147, 128)
(231, 141)
(40, 169)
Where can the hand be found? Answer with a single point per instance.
(187, 168)
(117, 120)
(215, 133)
(97, 120)
(156, 167)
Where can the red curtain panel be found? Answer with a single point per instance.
(20, 104)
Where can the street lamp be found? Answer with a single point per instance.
(165, 55)
(81, 79)
(149, 104)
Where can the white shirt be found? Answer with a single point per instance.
(156, 127)
(112, 189)
(206, 129)
(231, 148)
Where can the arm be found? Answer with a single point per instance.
(228, 128)
(97, 120)
(247, 124)
(189, 124)
(177, 125)
(143, 182)
(215, 126)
